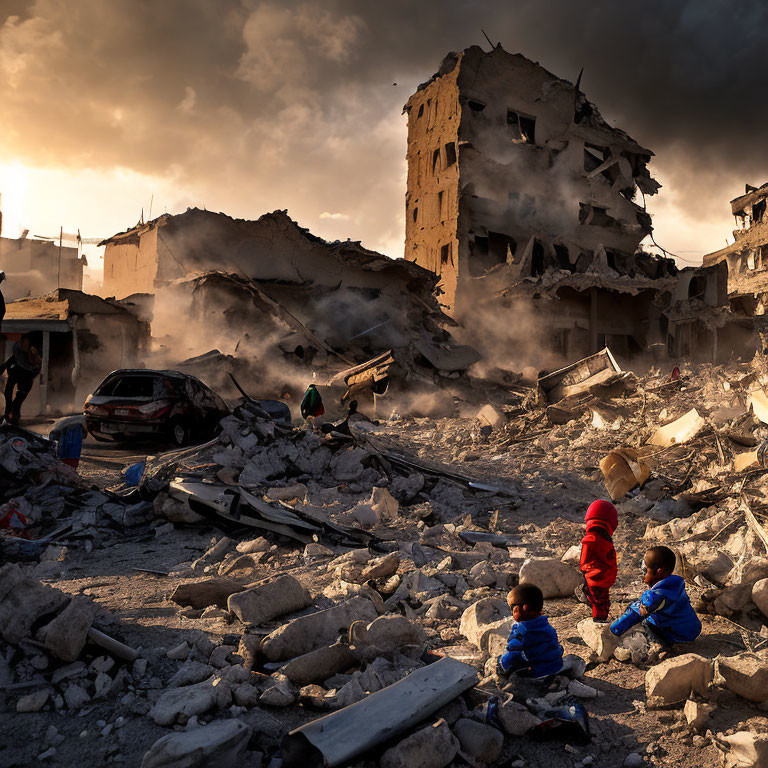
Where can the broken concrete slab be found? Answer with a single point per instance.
(25, 602)
(201, 594)
(745, 674)
(191, 700)
(432, 747)
(269, 599)
(221, 743)
(319, 665)
(673, 680)
(66, 635)
(342, 735)
(306, 633)
(679, 431)
(553, 578)
(384, 636)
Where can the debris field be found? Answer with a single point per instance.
(280, 596)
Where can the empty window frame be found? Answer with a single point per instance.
(421, 111)
(523, 127)
(436, 160)
(595, 216)
(476, 106)
(445, 254)
(415, 214)
(450, 154)
(594, 157)
(758, 212)
(442, 205)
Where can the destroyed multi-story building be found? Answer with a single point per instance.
(746, 260)
(522, 197)
(510, 165)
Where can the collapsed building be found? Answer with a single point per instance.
(270, 290)
(521, 197)
(745, 261)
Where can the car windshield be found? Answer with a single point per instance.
(132, 386)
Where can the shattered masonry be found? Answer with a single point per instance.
(524, 200)
(508, 164)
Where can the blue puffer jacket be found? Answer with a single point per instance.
(534, 644)
(666, 607)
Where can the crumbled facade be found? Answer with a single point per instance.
(746, 260)
(526, 204)
(511, 168)
(273, 247)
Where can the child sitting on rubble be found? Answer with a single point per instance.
(533, 649)
(664, 608)
(598, 558)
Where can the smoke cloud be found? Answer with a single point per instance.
(255, 105)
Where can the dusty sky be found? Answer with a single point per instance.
(246, 106)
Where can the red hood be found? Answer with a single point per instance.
(603, 511)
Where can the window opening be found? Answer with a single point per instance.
(523, 127)
(476, 106)
(450, 154)
(445, 253)
(436, 160)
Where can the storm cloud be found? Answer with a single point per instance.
(264, 105)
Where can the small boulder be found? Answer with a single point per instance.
(222, 743)
(745, 674)
(33, 702)
(384, 636)
(381, 568)
(760, 596)
(516, 719)
(598, 637)
(478, 740)
(674, 679)
(483, 616)
(697, 713)
(65, 636)
(744, 749)
(552, 577)
(432, 747)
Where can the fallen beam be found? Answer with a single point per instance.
(341, 736)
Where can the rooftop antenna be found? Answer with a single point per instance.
(487, 38)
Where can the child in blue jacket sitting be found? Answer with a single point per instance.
(664, 609)
(533, 647)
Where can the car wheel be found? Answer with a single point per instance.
(179, 433)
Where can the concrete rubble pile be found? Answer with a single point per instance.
(361, 580)
(45, 501)
(51, 653)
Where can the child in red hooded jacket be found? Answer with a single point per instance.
(598, 557)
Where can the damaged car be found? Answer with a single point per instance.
(166, 405)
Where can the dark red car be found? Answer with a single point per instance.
(168, 405)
